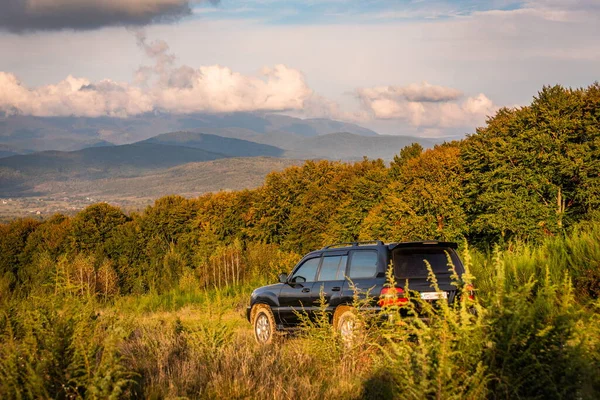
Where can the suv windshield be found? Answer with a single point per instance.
(409, 262)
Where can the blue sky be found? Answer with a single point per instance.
(428, 68)
(345, 11)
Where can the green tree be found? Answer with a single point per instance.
(13, 239)
(41, 252)
(126, 249)
(92, 227)
(533, 171)
(406, 154)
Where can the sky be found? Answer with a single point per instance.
(428, 68)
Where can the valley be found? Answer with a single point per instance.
(214, 153)
(46, 195)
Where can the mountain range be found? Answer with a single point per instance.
(177, 148)
(26, 133)
(209, 153)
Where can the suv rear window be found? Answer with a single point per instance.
(410, 262)
(363, 264)
(333, 268)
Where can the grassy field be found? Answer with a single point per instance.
(535, 334)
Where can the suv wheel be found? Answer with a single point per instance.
(263, 322)
(344, 321)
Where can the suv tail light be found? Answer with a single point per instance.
(471, 290)
(392, 297)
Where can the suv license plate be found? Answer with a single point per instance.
(434, 295)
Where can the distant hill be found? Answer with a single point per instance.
(333, 146)
(55, 194)
(99, 162)
(190, 180)
(162, 151)
(22, 172)
(92, 143)
(313, 126)
(216, 144)
(186, 163)
(7, 151)
(73, 133)
(283, 140)
(347, 146)
(177, 148)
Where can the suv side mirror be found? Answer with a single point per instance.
(283, 278)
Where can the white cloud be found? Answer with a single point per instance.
(176, 89)
(162, 86)
(219, 89)
(426, 105)
(72, 96)
(415, 92)
(211, 89)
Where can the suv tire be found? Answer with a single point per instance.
(263, 324)
(345, 322)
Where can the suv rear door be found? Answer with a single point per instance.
(362, 272)
(330, 280)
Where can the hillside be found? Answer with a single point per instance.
(8, 151)
(89, 144)
(102, 162)
(190, 180)
(216, 144)
(56, 193)
(283, 140)
(105, 161)
(312, 126)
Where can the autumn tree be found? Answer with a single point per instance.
(270, 213)
(361, 190)
(406, 154)
(424, 202)
(315, 207)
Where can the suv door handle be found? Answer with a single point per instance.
(336, 289)
(305, 290)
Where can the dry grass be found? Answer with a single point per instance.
(531, 339)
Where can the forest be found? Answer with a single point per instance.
(106, 304)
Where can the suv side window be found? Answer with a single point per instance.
(363, 264)
(307, 271)
(333, 268)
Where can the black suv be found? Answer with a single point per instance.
(334, 269)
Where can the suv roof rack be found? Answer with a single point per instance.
(346, 244)
(452, 245)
